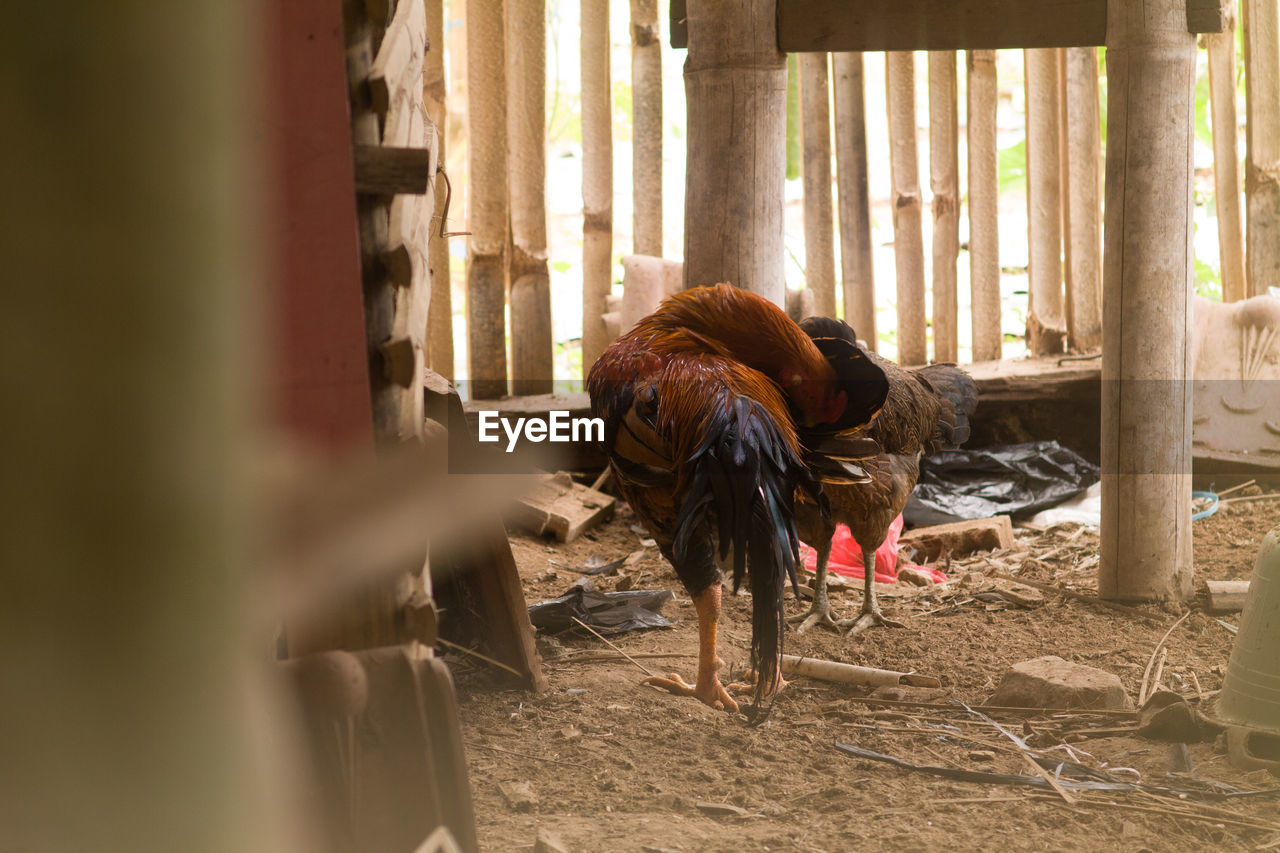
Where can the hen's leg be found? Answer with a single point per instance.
(707, 688)
(871, 615)
(820, 611)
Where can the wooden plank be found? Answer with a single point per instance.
(873, 25)
(944, 181)
(1147, 285)
(1227, 596)
(819, 225)
(1209, 16)
(908, 230)
(857, 271)
(984, 201)
(959, 537)
(397, 67)
(382, 170)
(1221, 48)
(440, 316)
(561, 508)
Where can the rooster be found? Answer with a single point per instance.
(701, 403)
(927, 409)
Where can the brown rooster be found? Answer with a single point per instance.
(701, 402)
(927, 409)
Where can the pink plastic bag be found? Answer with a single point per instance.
(846, 556)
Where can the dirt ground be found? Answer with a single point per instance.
(607, 764)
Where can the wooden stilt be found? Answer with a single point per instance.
(1262, 159)
(1046, 323)
(1226, 162)
(646, 126)
(819, 249)
(857, 271)
(984, 198)
(944, 181)
(908, 236)
(1082, 208)
(440, 318)
(597, 179)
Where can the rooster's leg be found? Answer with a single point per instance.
(820, 611)
(871, 615)
(708, 688)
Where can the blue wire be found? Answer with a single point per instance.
(1210, 510)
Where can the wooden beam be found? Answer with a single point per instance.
(984, 200)
(874, 25)
(908, 233)
(1082, 207)
(382, 170)
(1046, 319)
(944, 181)
(1147, 287)
(597, 179)
(646, 123)
(857, 271)
(735, 87)
(819, 225)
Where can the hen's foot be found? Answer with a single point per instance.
(870, 618)
(819, 614)
(748, 685)
(709, 692)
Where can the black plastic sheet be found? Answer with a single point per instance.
(1016, 479)
(607, 612)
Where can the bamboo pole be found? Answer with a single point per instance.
(856, 268)
(1262, 140)
(1081, 208)
(1147, 281)
(735, 88)
(944, 181)
(1226, 160)
(819, 248)
(597, 179)
(488, 219)
(646, 126)
(984, 200)
(434, 87)
(908, 236)
(1046, 323)
(531, 345)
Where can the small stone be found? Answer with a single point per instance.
(548, 842)
(982, 755)
(912, 576)
(672, 801)
(519, 795)
(1051, 682)
(624, 583)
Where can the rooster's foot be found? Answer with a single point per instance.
(709, 692)
(817, 615)
(871, 618)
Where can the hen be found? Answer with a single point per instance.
(701, 402)
(927, 409)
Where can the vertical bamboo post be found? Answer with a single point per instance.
(735, 87)
(1262, 159)
(1082, 209)
(857, 271)
(440, 316)
(487, 271)
(1226, 160)
(597, 179)
(819, 224)
(646, 126)
(984, 201)
(157, 748)
(531, 345)
(1147, 281)
(908, 234)
(1046, 324)
(944, 181)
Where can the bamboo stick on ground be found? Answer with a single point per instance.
(944, 181)
(857, 271)
(597, 179)
(819, 249)
(1221, 48)
(847, 673)
(908, 236)
(984, 198)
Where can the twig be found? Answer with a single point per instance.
(1215, 818)
(1231, 629)
(1146, 673)
(473, 653)
(1004, 709)
(1195, 682)
(600, 637)
(527, 755)
(1079, 596)
(605, 657)
(602, 479)
(1271, 497)
(1026, 755)
(1243, 485)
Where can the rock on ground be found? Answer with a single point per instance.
(1051, 682)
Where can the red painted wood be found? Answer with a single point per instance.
(319, 380)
